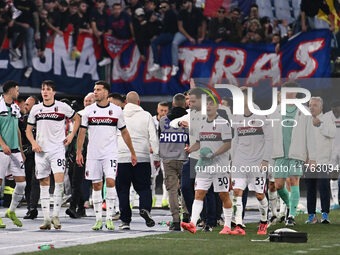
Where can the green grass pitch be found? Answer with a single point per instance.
(322, 239)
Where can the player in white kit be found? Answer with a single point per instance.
(102, 121)
(214, 141)
(49, 147)
(252, 148)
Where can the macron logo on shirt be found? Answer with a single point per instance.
(105, 121)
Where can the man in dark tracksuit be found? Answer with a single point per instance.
(32, 190)
(171, 148)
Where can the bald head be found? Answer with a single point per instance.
(89, 99)
(133, 98)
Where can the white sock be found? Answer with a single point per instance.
(116, 200)
(45, 201)
(227, 212)
(263, 207)
(239, 209)
(273, 202)
(197, 207)
(334, 191)
(17, 195)
(110, 201)
(153, 186)
(57, 198)
(97, 204)
(282, 207)
(165, 192)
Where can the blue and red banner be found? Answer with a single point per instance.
(305, 56)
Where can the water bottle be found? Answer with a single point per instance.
(162, 223)
(45, 247)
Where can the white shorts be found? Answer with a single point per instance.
(11, 165)
(97, 168)
(249, 175)
(47, 161)
(221, 183)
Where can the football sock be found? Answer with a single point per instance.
(227, 212)
(57, 198)
(263, 207)
(284, 194)
(334, 191)
(17, 195)
(97, 203)
(45, 201)
(273, 202)
(294, 199)
(116, 200)
(238, 210)
(109, 202)
(197, 207)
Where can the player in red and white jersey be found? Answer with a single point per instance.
(49, 147)
(214, 142)
(102, 121)
(252, 149)
(335, 115)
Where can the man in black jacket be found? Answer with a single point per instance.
(32, 190)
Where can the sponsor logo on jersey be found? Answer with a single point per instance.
(50, 116)
(337, 124)
(173, 137)
(245, 131)
(104, 121)
(210, 136)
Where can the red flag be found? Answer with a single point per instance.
(115, 46)
(211, 7)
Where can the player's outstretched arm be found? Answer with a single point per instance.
(30, 137)
(80, 143)
(194, 147)
(128, 142)
(70, 137)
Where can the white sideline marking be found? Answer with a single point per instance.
(56, 230)
(52, 242)
(300, 252)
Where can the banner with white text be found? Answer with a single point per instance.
(307, 55)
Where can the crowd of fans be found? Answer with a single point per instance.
(33, 24)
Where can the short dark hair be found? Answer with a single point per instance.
(229, 100)
(49, 83)
(8, 85)
(179, 100)
(66, 101)
(254, 5)
(36, 100)
(236, 9)
(105, 84)
(196, 92)
(335, 103)
(213, 99)
(163, 103)
(74, 4)
(117, 96)
(116, 4)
